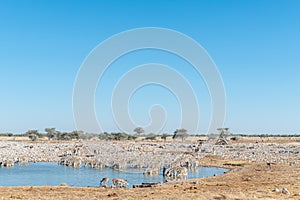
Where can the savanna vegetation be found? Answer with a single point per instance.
(180, 134)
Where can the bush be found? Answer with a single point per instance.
(150, 136)
(63, 185)
(164, 136)
(33, 137)
(131, 137)
(119, 136)
(104, 136)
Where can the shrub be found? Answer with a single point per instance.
(150, 136)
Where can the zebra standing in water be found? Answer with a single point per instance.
(175, 172)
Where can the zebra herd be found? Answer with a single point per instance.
(170, 172)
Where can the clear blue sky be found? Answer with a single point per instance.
(255, 45)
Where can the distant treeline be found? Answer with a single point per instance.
(53, 134)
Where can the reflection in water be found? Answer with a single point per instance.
(38, 174)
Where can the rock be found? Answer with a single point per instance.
(285, 191)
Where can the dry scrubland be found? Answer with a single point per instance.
(257, 168)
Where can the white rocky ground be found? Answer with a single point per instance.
(141, 154)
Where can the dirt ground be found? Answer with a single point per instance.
(244, 181)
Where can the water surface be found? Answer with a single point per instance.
(39, 174)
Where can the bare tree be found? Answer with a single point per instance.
(223, 132)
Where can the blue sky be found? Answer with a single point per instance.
(255, 45)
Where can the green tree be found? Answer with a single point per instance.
(139, 130)
(51, 133)
(180, 133)
(64, 136)
(75, 134)
(119, 136)
(104, 136)
(32, 134)
(131, 137)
